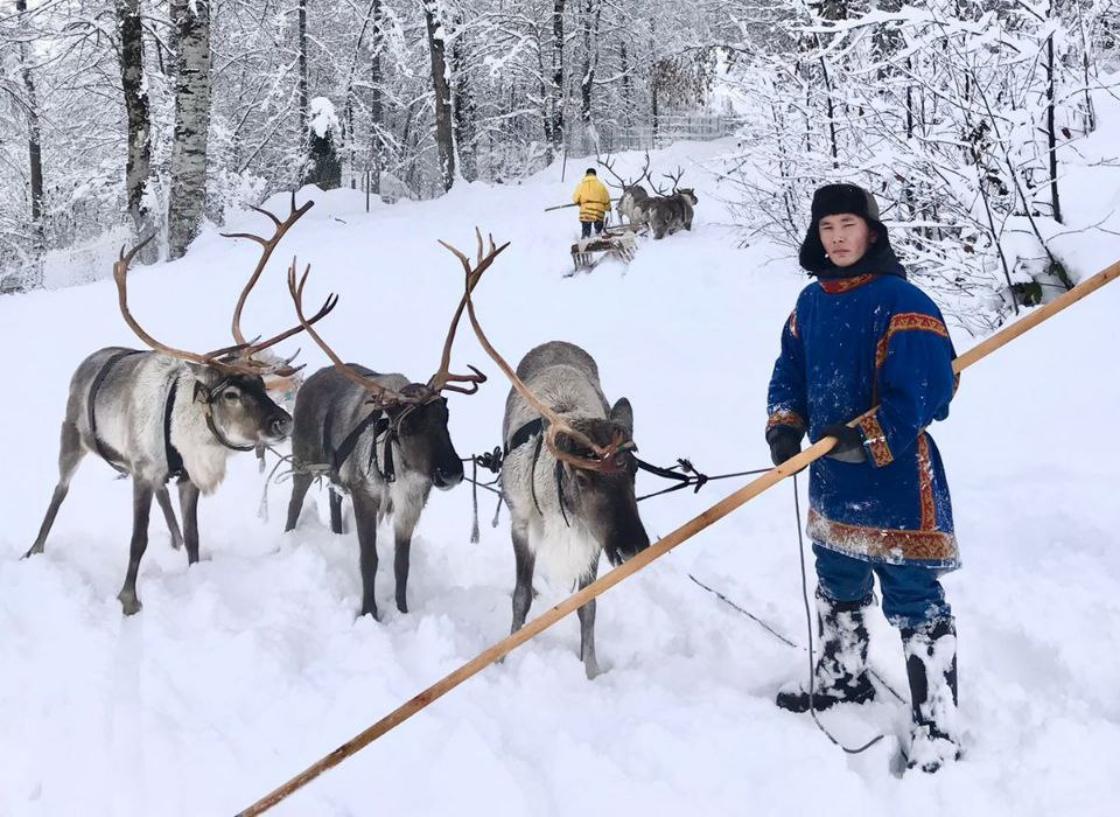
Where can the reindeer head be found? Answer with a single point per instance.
(601, 493)
(229, 382)
(240, 408)
(417, 412)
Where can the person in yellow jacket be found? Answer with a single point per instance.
(594, 203)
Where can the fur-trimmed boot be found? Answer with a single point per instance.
(841, 672)
(931, 666)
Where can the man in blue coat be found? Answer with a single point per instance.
(861, 338)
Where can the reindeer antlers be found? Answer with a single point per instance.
(603, 459)
(608, 165)
(239, 358)
(675, 178)
(267, 246)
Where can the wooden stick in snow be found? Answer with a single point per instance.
(647, 556)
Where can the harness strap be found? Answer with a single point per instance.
(535, 429)
(533, 471)
(175, 466)
(220, 437)
(104, 451)
(339, 456)
(560, 491)
(524, 434)
(208, 401)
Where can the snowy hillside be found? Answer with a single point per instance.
(242, 670)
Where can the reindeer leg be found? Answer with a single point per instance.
(400, 566)
(70, 453)
(141, 510)
(300, 483)
(365, 517)
(525, 561)
(587, 625)
(163, 497)
(336, 510)
(188, 503)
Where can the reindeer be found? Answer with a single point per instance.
(668, 212)
(380, 438)
(634, 202)
(568, 473)
(169, 413)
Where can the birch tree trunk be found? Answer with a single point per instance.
(138, 164)
(191, 19)
(301, 44)
(437, 45)
(34, 157)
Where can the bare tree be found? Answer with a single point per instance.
(466, 114)
(556, 96)
(138, 165)
(441, 85)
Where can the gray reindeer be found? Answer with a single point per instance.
(379, 438)
(568, 472)
(635, 199)
(168, 414)
(668, 212)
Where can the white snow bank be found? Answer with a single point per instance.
(247, 667)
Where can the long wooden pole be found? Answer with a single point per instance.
(645, 557)
(565, 206)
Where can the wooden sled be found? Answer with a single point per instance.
(615, 242)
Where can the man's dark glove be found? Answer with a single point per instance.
(849, 443)
(784, 442)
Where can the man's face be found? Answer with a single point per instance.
(845, 237)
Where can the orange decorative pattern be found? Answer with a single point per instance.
(793, 324)
(876, 440)
(883, 543)
(784, 417)
(925, 484)
(906, 322)
(841, 285)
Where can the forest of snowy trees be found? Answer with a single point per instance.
(118, 117)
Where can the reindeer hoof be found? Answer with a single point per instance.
(402, 605)
(130, 604)
(370, 611)
(35, 550)
(591, 667)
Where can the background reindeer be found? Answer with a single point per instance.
(669, 211)
(634, 200)
(380, 438)
(568, 473)
(169, 413)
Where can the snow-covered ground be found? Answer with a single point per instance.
(242, 670)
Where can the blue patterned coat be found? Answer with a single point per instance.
(850, 344)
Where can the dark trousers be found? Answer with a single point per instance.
(585, 227)
(912, 594)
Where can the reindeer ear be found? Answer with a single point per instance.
(623, 414)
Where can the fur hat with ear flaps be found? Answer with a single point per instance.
(832, 200)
